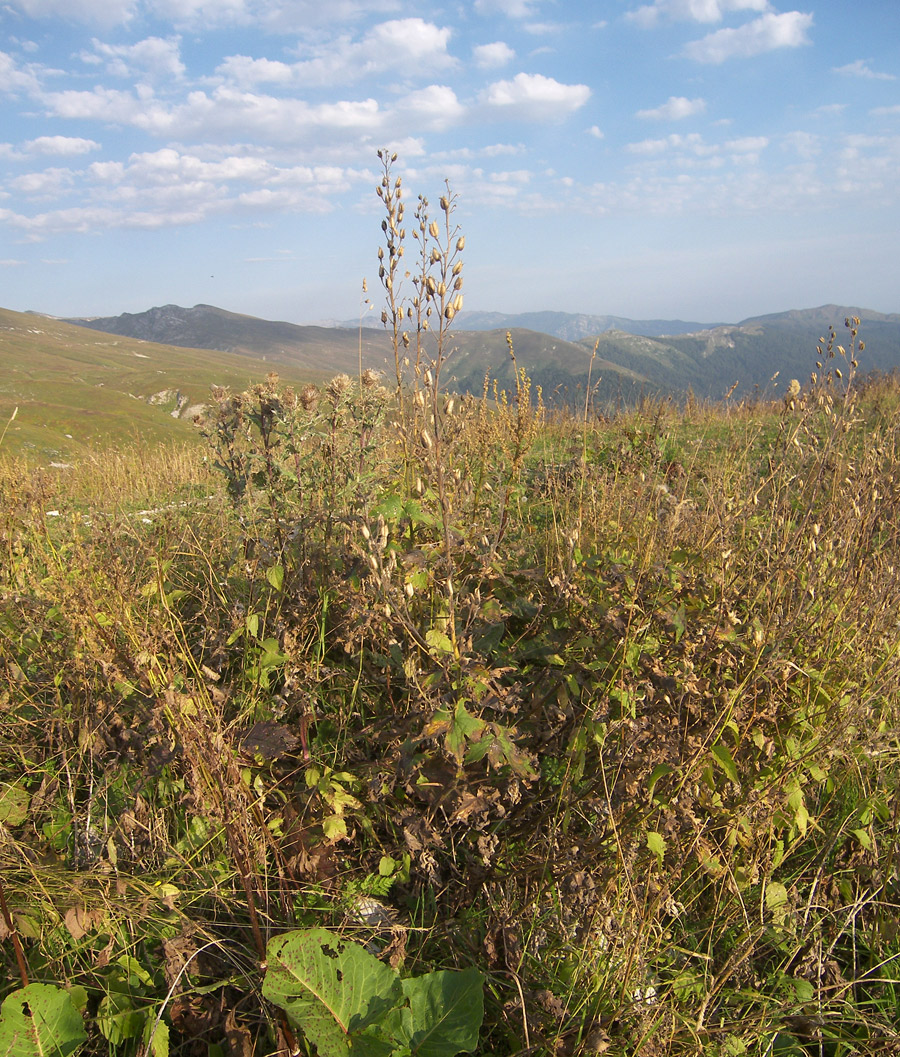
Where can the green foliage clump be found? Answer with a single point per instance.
(590, 717)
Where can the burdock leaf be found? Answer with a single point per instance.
(39, 1021)
(444, 1013)
(333, 990)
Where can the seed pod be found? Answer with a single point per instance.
(460, 243)
(433, 229)
(366, 535)
(445, 203)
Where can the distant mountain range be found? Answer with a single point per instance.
(626, 357)
(76, 384)
(567, 325)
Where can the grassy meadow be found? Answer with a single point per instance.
(578, 734)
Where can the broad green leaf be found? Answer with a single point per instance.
(462, 727)
(332, 989)
(40, 1020)
(334, 827)
(156, 1038)
(777, 900)
(14, 800)
(390, 507)
(656, 842)
(444, 1014)
(275, 576)
(438, 642)
(863, 837)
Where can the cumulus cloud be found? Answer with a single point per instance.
(861, 68)
(692, 10)
(49, 183)
(535, 97)
(492, 55)
(675, 109)
(402, 47)
(434, 107)
(153, 58)
(62, 146)
(596, 132)
(763, 34)
(13, 78)
(244, 71)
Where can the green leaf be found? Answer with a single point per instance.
(463, 727)
(863, 837)
(332, 989)
(40, 1020)
(14, 801)
(117, 1018)
(275, 576)
(725, 760)
(656, 842)
(777, 900)
(444, 1014)
(438, 642)
(390, 507)
(659, 771)
(156, 1038)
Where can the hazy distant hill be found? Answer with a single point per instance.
(207, 327)
(630, 357)
(574, 326)
(567, 325)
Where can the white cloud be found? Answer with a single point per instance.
(694, 145)
(154, 58)
(492, 55)
(534, 97)
(50, 182)
(204, 12)
(404, 46)
(885, 111)
(243, 70)
(747, 144)
(63, 146)
(510, 8)
(861, 68)
(596, 132)
(693, 10)
(805, 145)
(93, 12)
(434, 107)
(13, 78)
(675, 109)
(761, 35)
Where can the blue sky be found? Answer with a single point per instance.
(696, 159)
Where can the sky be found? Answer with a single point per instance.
(704, 160)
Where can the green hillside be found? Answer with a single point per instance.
(72, 388)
